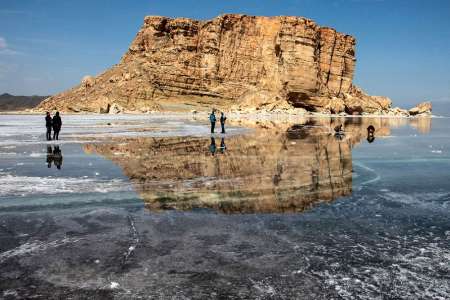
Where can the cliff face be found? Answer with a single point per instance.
(233, 54)
(224, 62)
(276, 169)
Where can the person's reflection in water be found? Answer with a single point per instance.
(49, 156)
(223, 147)
(212, 146)
(57, 157)
(339, 132)
(370, 134)
(54, 156)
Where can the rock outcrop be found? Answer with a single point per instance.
(423, 108)
(181, 64)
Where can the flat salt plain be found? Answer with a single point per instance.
(87, 230)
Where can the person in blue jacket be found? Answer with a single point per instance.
(212, 119)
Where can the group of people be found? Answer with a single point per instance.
(212, 119)
(54, 124)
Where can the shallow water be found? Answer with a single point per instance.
(154, 206)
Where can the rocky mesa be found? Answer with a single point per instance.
(231, 62)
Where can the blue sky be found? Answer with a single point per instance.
(47, 46)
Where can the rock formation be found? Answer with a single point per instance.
(181, 64)
(423, 108)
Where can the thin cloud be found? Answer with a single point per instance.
(13, 12)
(10, 52)
(49, 42)
(5, 49)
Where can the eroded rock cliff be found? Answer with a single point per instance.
(180, 64)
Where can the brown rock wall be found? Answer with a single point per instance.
(224, 59)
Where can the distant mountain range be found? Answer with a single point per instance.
(10, 102)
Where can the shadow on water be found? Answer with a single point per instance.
(275, 168)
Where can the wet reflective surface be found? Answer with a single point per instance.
(155, 207)
(282, 169)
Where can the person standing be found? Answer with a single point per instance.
(48, 124)
(222, 121)
(57, 123)
(212, 119)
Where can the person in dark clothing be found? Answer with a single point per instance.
(212, 119)
(57, 157)
(49, 156)
(370, 134)
(48, 124)
(339, 132)
(212, 146)
(57, 123)
(222, 121)
(223, 147)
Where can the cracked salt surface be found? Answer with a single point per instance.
(33, 247)
(11, 185)
(406, 276)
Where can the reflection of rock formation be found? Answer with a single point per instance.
(286, 168)
(423, 125)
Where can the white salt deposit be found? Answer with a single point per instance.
(12, 185)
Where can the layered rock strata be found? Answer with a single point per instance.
(228, 61)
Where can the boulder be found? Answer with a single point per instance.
(423, 108)
(115, 109)
(384, 102)
(358, 101)
(397, 111)
(87, 81)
